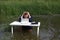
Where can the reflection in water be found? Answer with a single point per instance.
(47, 31)
(45, 34)
(5, 36)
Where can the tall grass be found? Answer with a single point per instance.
(11, 9)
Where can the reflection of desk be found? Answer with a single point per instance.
(16, 23)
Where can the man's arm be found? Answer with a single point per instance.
(19, 19)
(30, 19)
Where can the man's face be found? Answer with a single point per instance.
(25, 16)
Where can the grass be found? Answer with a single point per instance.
(35, 7)
(11, 9)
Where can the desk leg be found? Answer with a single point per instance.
(12, 30)
(38, 31)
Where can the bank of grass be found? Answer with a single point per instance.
(10, 9)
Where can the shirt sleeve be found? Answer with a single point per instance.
(30, 19)
(19, 19)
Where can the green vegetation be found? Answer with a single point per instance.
(11, 9)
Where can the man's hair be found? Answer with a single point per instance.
(26, 13)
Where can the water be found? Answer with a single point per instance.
(49, 30)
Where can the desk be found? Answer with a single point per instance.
(16, 23)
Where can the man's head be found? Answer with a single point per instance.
(26, 15)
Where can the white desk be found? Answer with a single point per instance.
(16, 23)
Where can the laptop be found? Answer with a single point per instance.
(25, 21)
